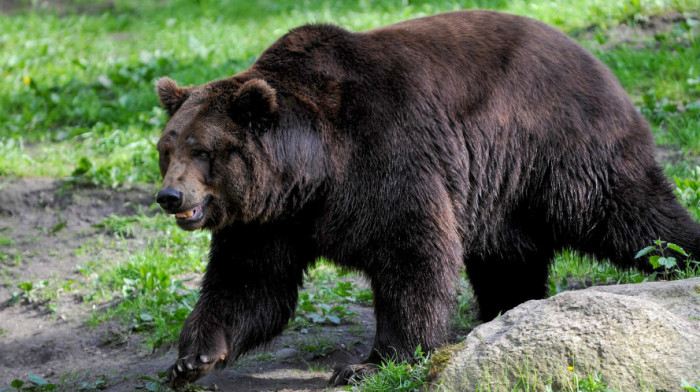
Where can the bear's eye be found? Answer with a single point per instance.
(201, 154)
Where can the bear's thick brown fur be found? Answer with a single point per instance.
(407, 152)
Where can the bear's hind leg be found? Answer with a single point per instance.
(504, 281)
(414, 297)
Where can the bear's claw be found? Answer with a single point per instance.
(190, 368)
(351, 374)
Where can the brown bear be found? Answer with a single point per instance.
(468, 139)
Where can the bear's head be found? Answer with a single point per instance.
(231, 152)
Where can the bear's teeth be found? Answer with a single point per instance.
(185, 215)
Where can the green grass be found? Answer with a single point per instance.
(78, 104)
(79, 99)
(572, 270)
(150, 286)
(568, 381)
(688, 189)
(394, 375)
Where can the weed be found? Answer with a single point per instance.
(591, 382)
(321, 313)
(97, 385)
(690, 387)
(119, 226)
(31, 292)
(669, 263)
(38, 384)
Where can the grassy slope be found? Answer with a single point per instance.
(77, 101)
(80, 85)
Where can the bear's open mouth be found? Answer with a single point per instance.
(191, 215)
(194, 217)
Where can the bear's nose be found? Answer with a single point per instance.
(169, 198)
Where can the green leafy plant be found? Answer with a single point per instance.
(688, 191)
(343, 292)
(669, 265)
(31, 292)
(695, 387)
(592, 382)
(321, 313)
(37, 384)
(661, 260)
(97, 385)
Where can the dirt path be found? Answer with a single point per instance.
(43, 228)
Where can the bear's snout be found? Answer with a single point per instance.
(169, 198)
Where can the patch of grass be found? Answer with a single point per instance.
(262, 357)
(688, 191)
(399, 376)
(591, 382)
(524, 379)
(8, 258)
(5, 241)
(316, 344)
(327, 295)
(123, 157)
(318, 368)
(466, 317)
(149, 288)
(79, 100)
(128, 226)
(319, 312)
(572, 270)
(43, 293)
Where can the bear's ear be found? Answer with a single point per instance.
(254, 104)
(170, 94)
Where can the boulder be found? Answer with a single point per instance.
(636, 337)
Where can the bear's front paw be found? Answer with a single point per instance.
(190, 368)
(352, 374)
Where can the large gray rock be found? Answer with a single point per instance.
(639, 337)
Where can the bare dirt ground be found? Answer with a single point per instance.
(58, 345)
